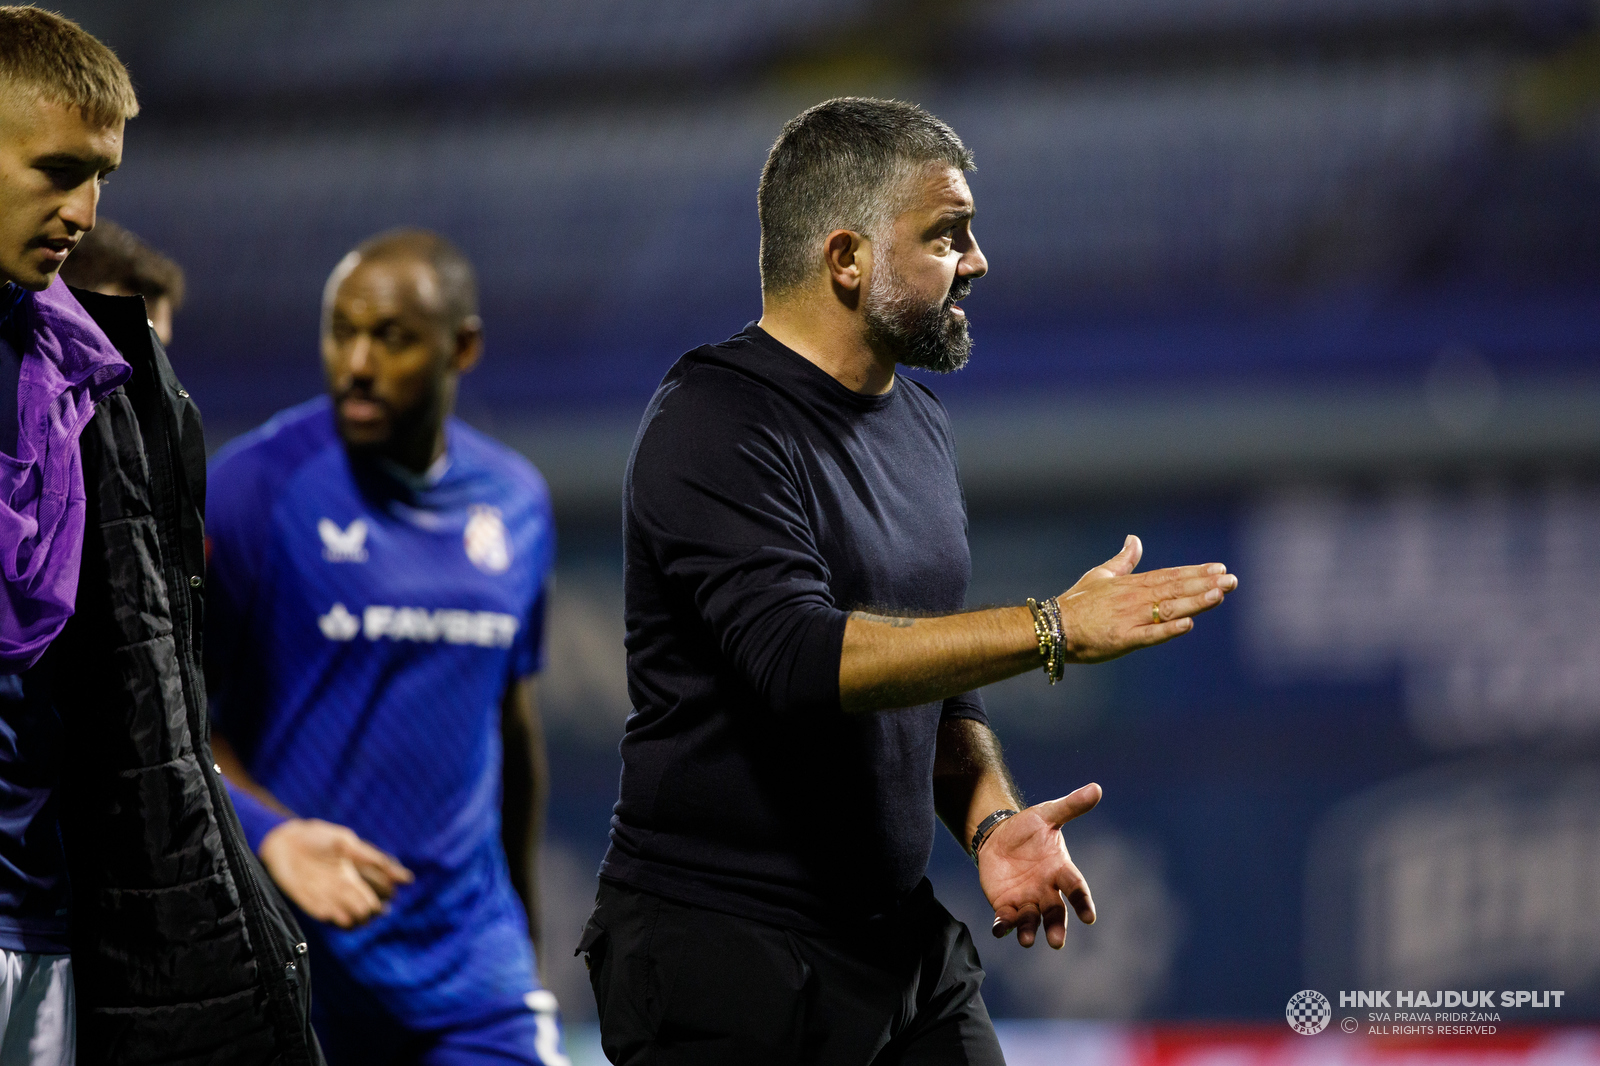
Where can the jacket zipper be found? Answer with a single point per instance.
(170, 526)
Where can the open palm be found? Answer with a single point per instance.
(1027, 874)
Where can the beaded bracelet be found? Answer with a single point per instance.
(1052, 642)
(1041, 630)
(1058, 640)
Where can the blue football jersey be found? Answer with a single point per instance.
(362, 629)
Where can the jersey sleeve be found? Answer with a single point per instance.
(714, 498)
(527, 654)
(527, 651)
(237, 540)
(255, 817)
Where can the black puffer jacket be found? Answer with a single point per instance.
(182, 951)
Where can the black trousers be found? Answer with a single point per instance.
(680, 984)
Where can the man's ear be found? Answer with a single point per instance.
(469, 344)
(848, 256)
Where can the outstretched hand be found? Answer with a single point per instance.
(1027, 874)
(1112, 610)
(330, 872)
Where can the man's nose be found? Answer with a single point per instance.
(78, 211)
(359, 362)
(974, 264)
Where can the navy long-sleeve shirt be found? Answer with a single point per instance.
(764, 501)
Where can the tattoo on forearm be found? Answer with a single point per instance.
(883, 619)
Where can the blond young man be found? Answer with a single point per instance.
(171, 945)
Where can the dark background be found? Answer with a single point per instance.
(1305, 286)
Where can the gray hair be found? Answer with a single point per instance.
(842, 165)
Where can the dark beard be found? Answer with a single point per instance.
(924, 336)
(409, 429)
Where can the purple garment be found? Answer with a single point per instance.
(67, 364)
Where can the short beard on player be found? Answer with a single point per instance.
(918, 334)
(406, 427)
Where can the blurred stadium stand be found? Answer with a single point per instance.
(1312, 286)
(1274, 196)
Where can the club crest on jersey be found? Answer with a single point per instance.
(348, 545)
(486, 542)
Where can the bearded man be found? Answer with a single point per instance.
(374, 633)
(803, 677)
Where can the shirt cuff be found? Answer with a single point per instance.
(255, 817)
(967, 705)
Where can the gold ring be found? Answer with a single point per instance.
(1155, 614)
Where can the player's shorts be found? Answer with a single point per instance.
(38, 1011)
(517, 1037)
